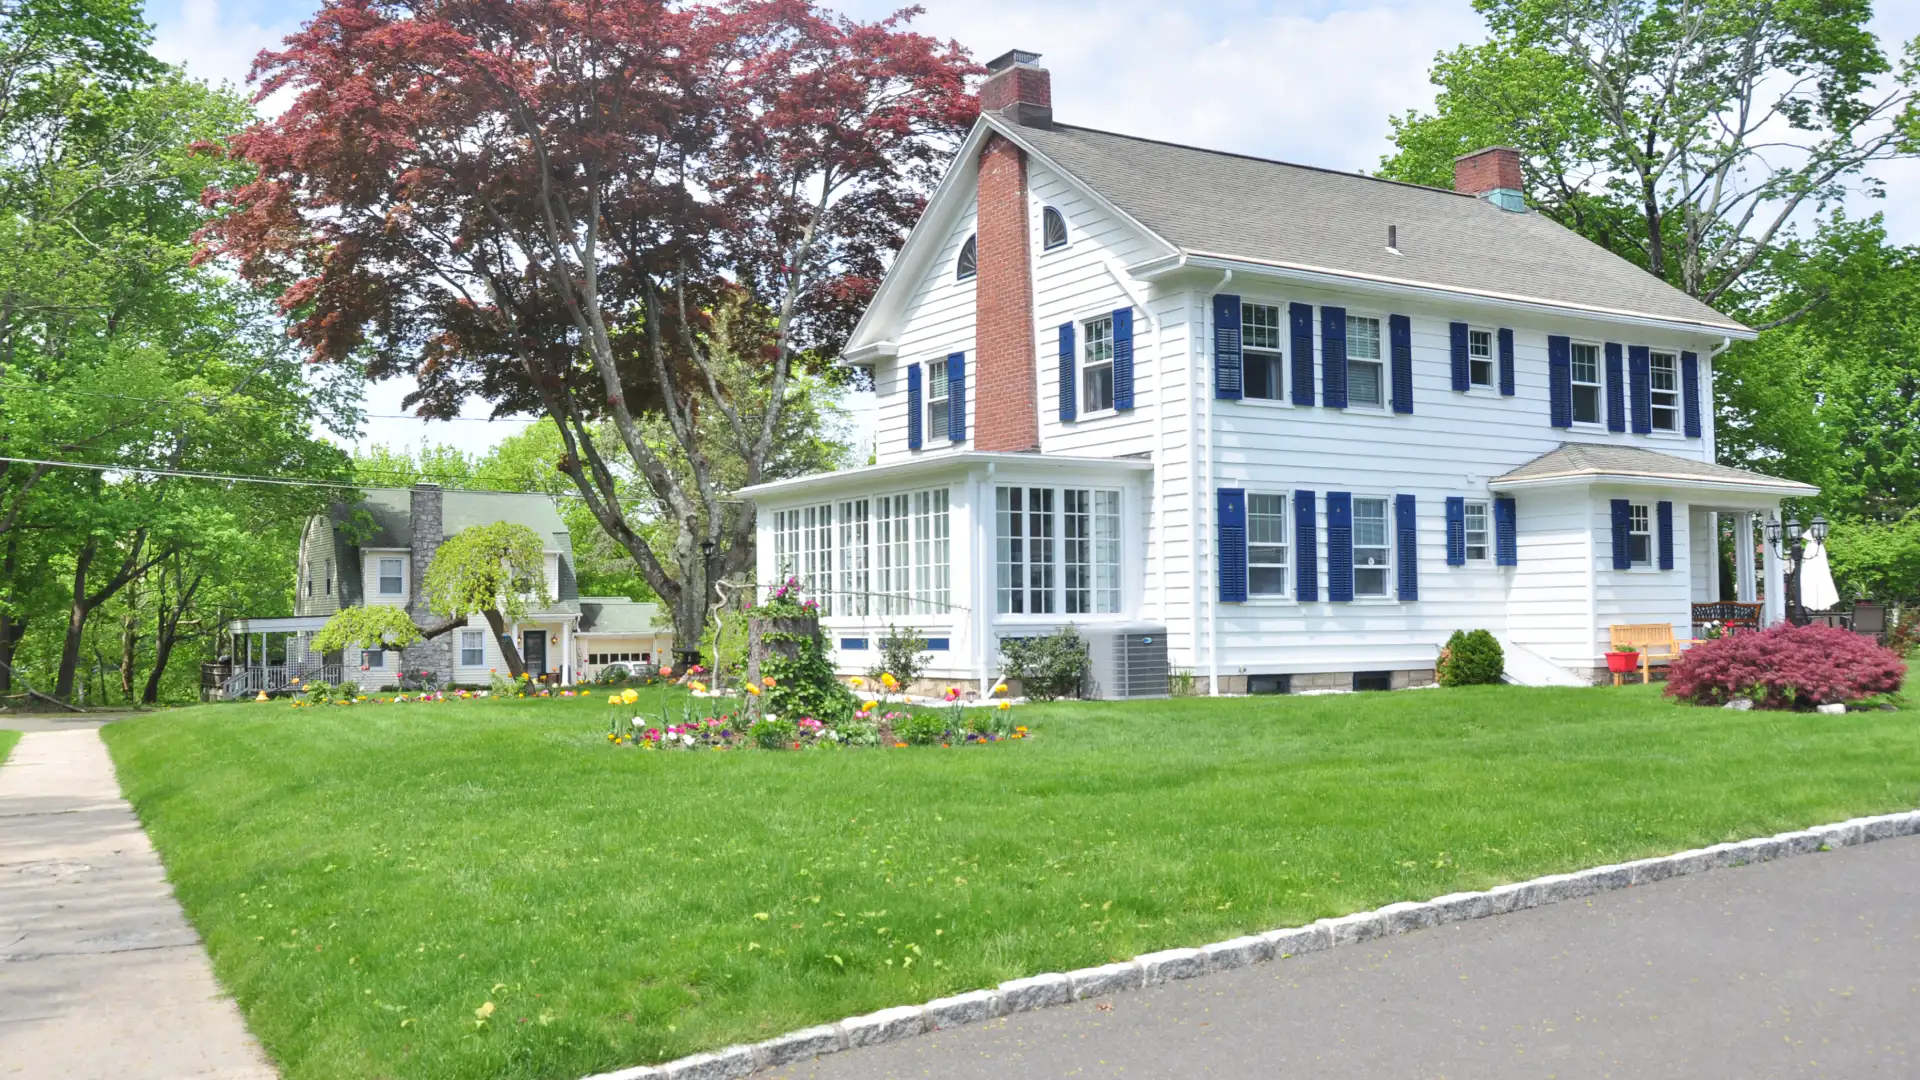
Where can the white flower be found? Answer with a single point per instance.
(688, 739)
(771, 718)
(636, 721)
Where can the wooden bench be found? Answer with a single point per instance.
(1646, 639)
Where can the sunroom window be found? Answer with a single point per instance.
(1076, 557)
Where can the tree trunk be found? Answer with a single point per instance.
(516, 667)
(162, 652)
(166, 633)
(76, 623)
(12, 632)
(130, 641)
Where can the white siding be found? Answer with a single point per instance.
(1642, 594)
(1550, 601)
(937, 323)
(370, 582)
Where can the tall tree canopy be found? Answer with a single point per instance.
(1685, 135)
(548, 205)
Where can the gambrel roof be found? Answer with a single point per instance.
(1212, 204)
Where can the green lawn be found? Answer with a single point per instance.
(7, 739)
(367, 878)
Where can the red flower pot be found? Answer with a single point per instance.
(1620, 663)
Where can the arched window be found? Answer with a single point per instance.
(1053, 229)
(969, 263)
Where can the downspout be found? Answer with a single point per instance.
(1207, 500)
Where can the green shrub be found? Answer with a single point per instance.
(324, 693)
(769, 733)
(1049, 667)
(921, 729)
(1472, 657)
(806, 684)
(903, 655)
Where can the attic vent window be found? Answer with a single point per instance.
(969, 262)
(1053, 229)
(1393, 239)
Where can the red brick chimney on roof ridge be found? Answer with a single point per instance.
(1492, 174)
(1006, 367)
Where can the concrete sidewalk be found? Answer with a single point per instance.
(100, 974)
(1805, 967)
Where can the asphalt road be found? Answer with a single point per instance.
(1805, 967)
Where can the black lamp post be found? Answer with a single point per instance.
(1794, 546)
(691, 656)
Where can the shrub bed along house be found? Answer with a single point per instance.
(1470, 658)
(1786, 667)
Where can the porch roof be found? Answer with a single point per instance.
(934, 464)
(1586, 463)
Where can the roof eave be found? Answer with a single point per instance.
(1012, 133)
(1765, 487)
(1321, 275)
(938, 464)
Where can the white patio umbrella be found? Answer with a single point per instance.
(1816, 582)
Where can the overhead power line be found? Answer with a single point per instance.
(279, 481)
(221, 402)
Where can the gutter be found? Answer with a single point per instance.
(1326, 276)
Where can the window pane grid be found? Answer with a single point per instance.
(1046, 562)
(1478, 543)
(1364, 375)
(1665, 386)
(1639, 535)
(1586, 383)
(1370, 551)
(1097, 365)
(1480, 357)
(1267, 545)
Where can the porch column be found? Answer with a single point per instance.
(1776, 585)
(1743, 557)
(566, 653)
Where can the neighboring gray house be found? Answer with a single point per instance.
(376, 551)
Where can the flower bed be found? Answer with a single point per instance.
(712, 721)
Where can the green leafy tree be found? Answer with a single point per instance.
(379, 626)
(497, 571)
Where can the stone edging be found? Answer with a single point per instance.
(1041, 991)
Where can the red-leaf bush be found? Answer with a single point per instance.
(1786, 667)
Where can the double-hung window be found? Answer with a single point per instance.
(1665, 385)
(1480, 357)
(1096, 366)
(1365, 372)
(1260, 356)
(374, 659)
(392, 577)
(473, 648)
(1370, 550)
(1267, 545)
(937, 399)
(1639, 535)
(1479, 534)
(1586, 383)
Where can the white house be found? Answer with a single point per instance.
(375, 551)
(1273, 425)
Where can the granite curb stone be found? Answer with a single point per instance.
(1042, 991)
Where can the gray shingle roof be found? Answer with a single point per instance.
(1205, 202)
(618, 615)
(1599, 460)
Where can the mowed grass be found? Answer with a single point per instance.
(7, 739)
(368, 878)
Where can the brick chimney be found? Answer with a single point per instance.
(425, 534)
(1019, 90)
(1006, 401)
(1492, 174)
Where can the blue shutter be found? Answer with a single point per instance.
(1306, 548)
(1616, 389)
(1067, 394)
(1339, 545)
(1300, 322)
(1456, 531)
(1400, 332)
(1122, 359)
(1560, 381)
(957, 396)
(1227, 371)
(1407, 536)
(1230, 543)
(914, 415)
(1333, 357)
(1663, 513)
(1462, 378)
(1506, 362)
(1506, 542)
(1622, 525)
(1640, 378)
(1690, 392)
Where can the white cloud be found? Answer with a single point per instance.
(216, 42)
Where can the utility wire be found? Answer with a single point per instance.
(220, 401)
(280, 481)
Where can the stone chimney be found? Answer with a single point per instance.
(1492, 174)
(424, 535)
(1006, 402)
(1018, 90)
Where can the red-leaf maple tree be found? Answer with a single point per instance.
(547, 204)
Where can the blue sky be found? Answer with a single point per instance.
(1312, 82)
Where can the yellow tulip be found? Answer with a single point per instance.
(1005, 705)
(1000, 689)
(856, 682)
(612, 699)
(629, 695)
(869, 706)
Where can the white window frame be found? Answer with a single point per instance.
(937, 402)
(1094, 359)
(1477, 361)
(1262, 555)
(1378, 360)
(1599, 384)
(1665, 402)
(1108, 550)
(1485, 531)
(1640, 528)
(856, 540)
(1385, 547)
(960, 270)
(478, 647)
(380, 575)
(816, 555)
(1271, 350)
(1057, 550)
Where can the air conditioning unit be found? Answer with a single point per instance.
(1127, 663)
